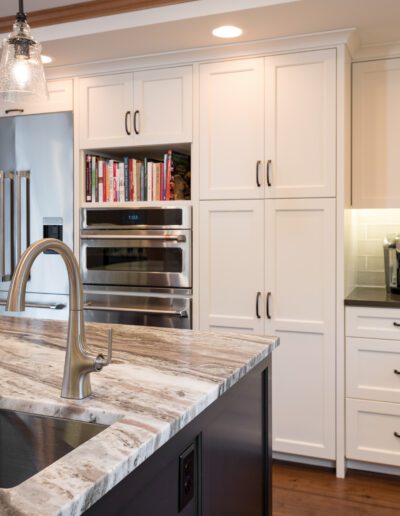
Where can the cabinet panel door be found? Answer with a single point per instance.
(231, 265)
(163, 99)
(300, 277)
(60, 99)
(301, 124)
(103, 104)
(376, 131)
(231, 129)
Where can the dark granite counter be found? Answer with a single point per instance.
(373, 297)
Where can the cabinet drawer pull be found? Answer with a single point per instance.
(267, 305)
(257, 305)
(258, 173)
(396, 371)
(396, 434)
(127, 115)
(396, 324)
(7, 111)
(135, 119)
(268, 172)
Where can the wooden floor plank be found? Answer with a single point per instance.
(307, 491)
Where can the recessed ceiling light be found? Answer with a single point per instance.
(227, 31)
(46, 59)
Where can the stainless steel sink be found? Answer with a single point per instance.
(30, 443)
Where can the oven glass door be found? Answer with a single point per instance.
(137, 260)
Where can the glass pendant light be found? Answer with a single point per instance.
(21, 69)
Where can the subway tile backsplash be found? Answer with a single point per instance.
(371, 227)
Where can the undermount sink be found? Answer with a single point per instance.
(30, 443)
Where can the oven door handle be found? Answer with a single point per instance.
(168, 238)
(149, 311)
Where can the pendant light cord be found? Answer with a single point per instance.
(21, 16)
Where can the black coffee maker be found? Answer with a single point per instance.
(391, 253)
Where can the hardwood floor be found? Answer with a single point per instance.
(310, 491)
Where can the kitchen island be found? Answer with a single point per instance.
(178, 403)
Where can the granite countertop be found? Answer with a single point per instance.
(372, 296)
(159, 380)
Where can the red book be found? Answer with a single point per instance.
(132, 166)
(115, 181)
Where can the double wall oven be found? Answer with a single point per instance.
(136, 265)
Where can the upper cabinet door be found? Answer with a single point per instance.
(301, 125)
(232, 129)
(231, 266)
(105, 106)
(163, 102)
(60, 99)
(376, 134)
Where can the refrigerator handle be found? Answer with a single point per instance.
(20, 175)
(3, 177)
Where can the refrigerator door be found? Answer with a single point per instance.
(43, 145)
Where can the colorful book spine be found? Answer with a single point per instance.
(88, 178)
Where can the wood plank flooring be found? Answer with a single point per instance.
(310, 491)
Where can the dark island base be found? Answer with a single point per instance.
(218, 465)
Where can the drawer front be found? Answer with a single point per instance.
(373, 369)
(373, 323)
(371, 431)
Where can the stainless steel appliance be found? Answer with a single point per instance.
(136, 265)
(391, 252)
(36, 201)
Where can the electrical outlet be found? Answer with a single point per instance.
(187, 476)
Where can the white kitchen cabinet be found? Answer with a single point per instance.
(376, 133)
(300, 289)
(143, 108)
(300, 121)
(232, 266)
(373, 431)
(105, 111)
(163, 106)
(231, 139)
(373, 384)
(60, 99)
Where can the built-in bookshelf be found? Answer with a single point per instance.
(141, 176)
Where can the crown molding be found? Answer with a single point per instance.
(382, 51)
(303, 42)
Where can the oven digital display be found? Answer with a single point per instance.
(136, 217)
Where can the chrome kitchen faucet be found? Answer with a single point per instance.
(78, 362)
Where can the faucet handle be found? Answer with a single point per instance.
(101, 361)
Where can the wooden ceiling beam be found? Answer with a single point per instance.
(84, 11)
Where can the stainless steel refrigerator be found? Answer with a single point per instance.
(36, 201)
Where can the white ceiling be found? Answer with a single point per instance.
(10, 7)
(188, 26)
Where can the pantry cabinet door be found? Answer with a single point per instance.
(300, 310)
(301, 125)
(232, 129)
(376, 133)
(105, 111)
(163, 106)
(232, 266)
